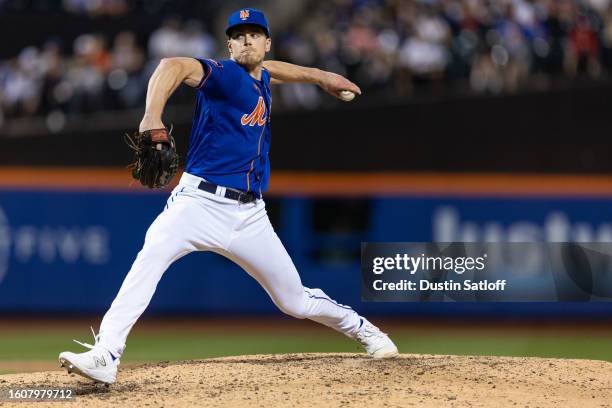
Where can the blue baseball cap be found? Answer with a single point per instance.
(247, 16)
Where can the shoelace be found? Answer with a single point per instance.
(96, 340)
(87, 345)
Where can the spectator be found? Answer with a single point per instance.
(195, 41)
(166, 40)
(582, 54)
(127, 63)
(390, 47)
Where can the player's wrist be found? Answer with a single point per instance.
(317, 76)
(149, 122)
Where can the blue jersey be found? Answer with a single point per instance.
(230, 136)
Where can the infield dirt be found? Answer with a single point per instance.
(337, 380)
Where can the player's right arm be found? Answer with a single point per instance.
(332, 83)
(169, 74)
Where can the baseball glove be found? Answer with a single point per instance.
(155, 158)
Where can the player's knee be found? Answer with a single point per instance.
(294, 308)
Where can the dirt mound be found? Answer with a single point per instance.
(337, 380)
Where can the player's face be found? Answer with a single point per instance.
(248, 45)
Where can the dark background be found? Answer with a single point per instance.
(565, 131)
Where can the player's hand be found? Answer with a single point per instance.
(333, 84)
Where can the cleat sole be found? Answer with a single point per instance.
(385, 354)
(72, 369)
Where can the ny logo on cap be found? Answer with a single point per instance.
(244, 14)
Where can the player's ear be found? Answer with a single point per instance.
(229, 46)
(268, 44)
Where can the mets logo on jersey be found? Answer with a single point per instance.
(258, 116)
(244, 14)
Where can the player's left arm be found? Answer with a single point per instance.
(284, 72)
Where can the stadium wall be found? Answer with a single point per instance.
(66, 248)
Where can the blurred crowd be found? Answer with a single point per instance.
(491, 46)
(391, 48)
(96, 75)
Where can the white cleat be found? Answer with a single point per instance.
(96, 364)
(375, 342)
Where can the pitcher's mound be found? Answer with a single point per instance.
(335, 380)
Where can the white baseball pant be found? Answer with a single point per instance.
(195, 220)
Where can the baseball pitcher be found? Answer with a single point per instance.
(218, 204)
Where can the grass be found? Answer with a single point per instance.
(159, 346)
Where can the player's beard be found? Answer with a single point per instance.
(249, 60)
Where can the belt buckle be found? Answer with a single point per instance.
(245, 198)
